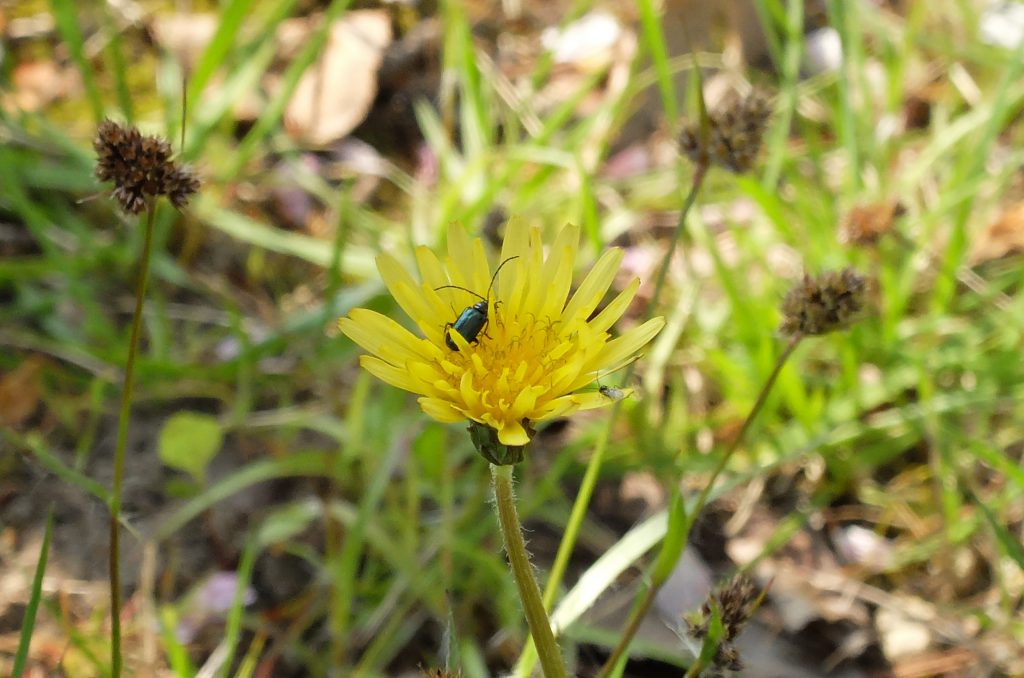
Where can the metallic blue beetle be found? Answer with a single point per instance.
(473, 319)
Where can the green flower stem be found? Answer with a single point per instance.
(643, 607)
(697, 667)
(586, 491)
(522, 572)
(119, 451)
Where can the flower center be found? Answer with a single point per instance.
(517, 360)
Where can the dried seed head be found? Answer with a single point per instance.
(736, 602)
(734, 134)
(140, 167)
(181, 183)
(865, 224)
(825, 303)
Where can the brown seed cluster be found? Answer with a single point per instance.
(141, 168)
(824, 303)
(736, 602)
(733, 136)
(865, 224)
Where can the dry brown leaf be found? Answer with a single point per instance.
(19, 392)
(587, 43)
(955, 661)
(184, 35)
(292, 34)
(864, 224)
(336, 92)
(39, 83)
(792, 569)
(1003, 236)
(597, 42)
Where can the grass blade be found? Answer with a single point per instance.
(654, 41)
(228, 23)
(1011, 545)
(29, 622)
(290, 81)
(70, 33)
(117, 66)
(233, 629)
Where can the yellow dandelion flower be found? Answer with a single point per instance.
(535, 353)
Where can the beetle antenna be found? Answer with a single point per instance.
(476, 294)
(597, 377)
(459, 287)
(493, 277)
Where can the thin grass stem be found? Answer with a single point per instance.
(700, 173)
(640, 610)
(119, 451)
(762, 397)
(32, 608)
(964, 275)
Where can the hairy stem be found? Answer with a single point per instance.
(586, 491)
(119, 451)
(522, 572)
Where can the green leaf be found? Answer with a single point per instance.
(181, 487)
(675, 540)
(1011, 546)
(709, 649)
(28, 623)
(189, 441)
(287, 521)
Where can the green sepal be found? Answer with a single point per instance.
(485, 440)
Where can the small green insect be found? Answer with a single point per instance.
(473, 319)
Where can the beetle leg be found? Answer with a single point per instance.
(449, 342)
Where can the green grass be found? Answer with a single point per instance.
(913, 416)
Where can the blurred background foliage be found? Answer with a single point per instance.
(291, 516)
